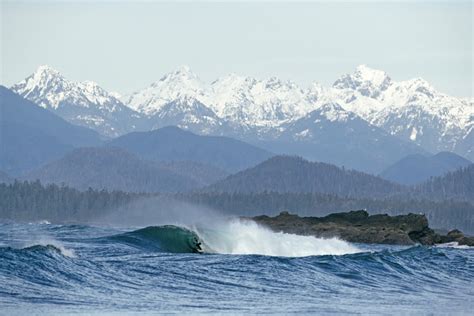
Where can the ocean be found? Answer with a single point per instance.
(233, 268)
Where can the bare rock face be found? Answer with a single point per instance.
(360, 227)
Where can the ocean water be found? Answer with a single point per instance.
(235, 268)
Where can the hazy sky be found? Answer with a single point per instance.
(125, 46)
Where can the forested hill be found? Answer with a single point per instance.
(174, 144)
(416, 169)
(294, 174)
(116, 169)
(457, 185)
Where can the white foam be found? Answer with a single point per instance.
(57, 244)
(247, 237)
(40, 222)
(453, 244)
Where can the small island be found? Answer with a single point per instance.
(360, 227)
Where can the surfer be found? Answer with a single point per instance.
(197, 244)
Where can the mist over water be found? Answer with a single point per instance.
(159, 210)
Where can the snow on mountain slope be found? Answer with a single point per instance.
(242, 100)
(188, 113)
(368, 82)
(245, 107)
(333, 134)
(412, 110)
(259, 103)
(81, 103)
(180, 83)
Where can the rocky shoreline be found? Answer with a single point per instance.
(360, 227)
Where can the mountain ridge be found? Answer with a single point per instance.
(261, 110)
(81, 103)
(31, 136)
(292, 174)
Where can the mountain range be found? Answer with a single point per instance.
(80, 103)
(365, 113)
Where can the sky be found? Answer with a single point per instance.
(125, 46)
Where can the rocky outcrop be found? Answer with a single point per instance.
(360, 227)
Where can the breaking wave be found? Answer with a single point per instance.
(234, 237)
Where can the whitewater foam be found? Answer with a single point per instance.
(453, 244)
(40, 222)
(48, 242)
(247, 237)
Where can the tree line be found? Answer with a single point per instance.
(27, 201)
(23, 201)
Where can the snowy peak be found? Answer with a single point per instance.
(181, 75)
(369, 82)
(187, 113)
(333, 112)
(262, 103)
(45, 80)
(181, 82)
(183, 71)
(48, 88)
(413, 90)
(81, 103)
(45, 72)
(365, 73)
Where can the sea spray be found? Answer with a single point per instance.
(247, 237)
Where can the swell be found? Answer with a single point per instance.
(40, 249)
(168, 238)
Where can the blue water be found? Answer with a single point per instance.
(55, 269)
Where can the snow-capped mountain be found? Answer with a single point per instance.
(81, 103)
(368, 82)
(188, 113)
(332, 134)
(242, 101)
(258, 103)
(412, 110)
(179, 84)
(269, 110)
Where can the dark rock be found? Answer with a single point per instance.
(455, 234)
(359, 226)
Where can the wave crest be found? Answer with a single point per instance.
(51, 245)
(247, 237)
(237, 237)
